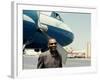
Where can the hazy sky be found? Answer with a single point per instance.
(80, 23)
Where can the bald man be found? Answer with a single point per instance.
(50, 58)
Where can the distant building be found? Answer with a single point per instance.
(76, 54)
(85, 53)
(88, 50)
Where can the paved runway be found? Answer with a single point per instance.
(30, 62)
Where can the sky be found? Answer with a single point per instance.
(80, 23)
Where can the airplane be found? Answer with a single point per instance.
(38, 26)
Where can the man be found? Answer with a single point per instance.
(50, 58)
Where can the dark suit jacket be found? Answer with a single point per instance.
(46, 60)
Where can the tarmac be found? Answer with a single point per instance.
(30, 62)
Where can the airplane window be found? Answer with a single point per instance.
(37, 50)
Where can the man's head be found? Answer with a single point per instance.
(52, 44)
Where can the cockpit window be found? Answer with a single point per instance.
(56, 15)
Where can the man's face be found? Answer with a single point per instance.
(52, 44)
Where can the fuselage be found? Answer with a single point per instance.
(53, 27)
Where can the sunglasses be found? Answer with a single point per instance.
(52, 43)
